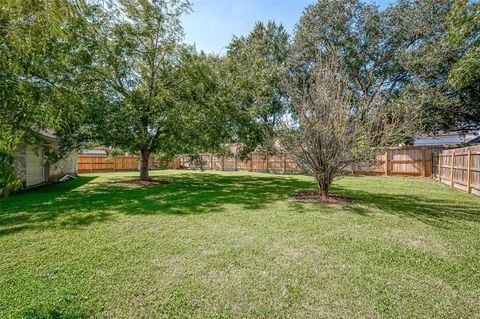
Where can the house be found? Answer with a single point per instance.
(30, 166)
(459, 137)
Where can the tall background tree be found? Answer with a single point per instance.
(257, 65)
(399, 53)
(464, 75)
(464, 31)
(444, 106)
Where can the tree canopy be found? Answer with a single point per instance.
(35, 75)
(463, 31)
(153, 94)
(257, 67)
(143, 99)
(34, 50)
(399, 53)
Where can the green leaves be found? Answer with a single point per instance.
(400, 54)
(132, 57)
(35, 74)
(8, 145)
(153, 93)
(257, 66)
(464, 26)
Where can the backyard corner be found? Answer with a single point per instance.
(232, 244)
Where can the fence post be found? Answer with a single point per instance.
(91, 164)
(432, 160)
(251, 162)
(223, 163)
(211, 162)
(266, 161)
(440, 164)
(469, 165)
(285, 163)
(114, 164)
(424, 163)
(452, 184)
(387, 164)
(235, 162)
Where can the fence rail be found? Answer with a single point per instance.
(460, 168)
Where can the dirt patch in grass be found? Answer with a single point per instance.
(314, 196)
(137, 182)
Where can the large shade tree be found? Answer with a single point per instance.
(151, 94)
(38, 65)
(464, 74)
(444, 105)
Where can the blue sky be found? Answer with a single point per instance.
(212, 23)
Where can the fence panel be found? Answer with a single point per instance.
(407, 161)
(460, 168)
(101, 163)
(402, 161)
(245, 165)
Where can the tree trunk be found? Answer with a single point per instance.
(324, 186)
(144, 165)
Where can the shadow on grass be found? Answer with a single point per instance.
(21, 211)
(64, 309)
(430, 210)
(66, 206)
(54, 313)
(84, 201)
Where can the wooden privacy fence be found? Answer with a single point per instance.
(256, 162)
(460, 168)
(401, 161)
(99, 163)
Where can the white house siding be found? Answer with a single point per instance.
(20, 163)
(30, 169)
(36, 170)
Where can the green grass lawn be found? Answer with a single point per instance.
(234, 245)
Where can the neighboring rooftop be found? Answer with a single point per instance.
(94, 152)
(449, 138)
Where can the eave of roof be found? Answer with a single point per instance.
(48, 135)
